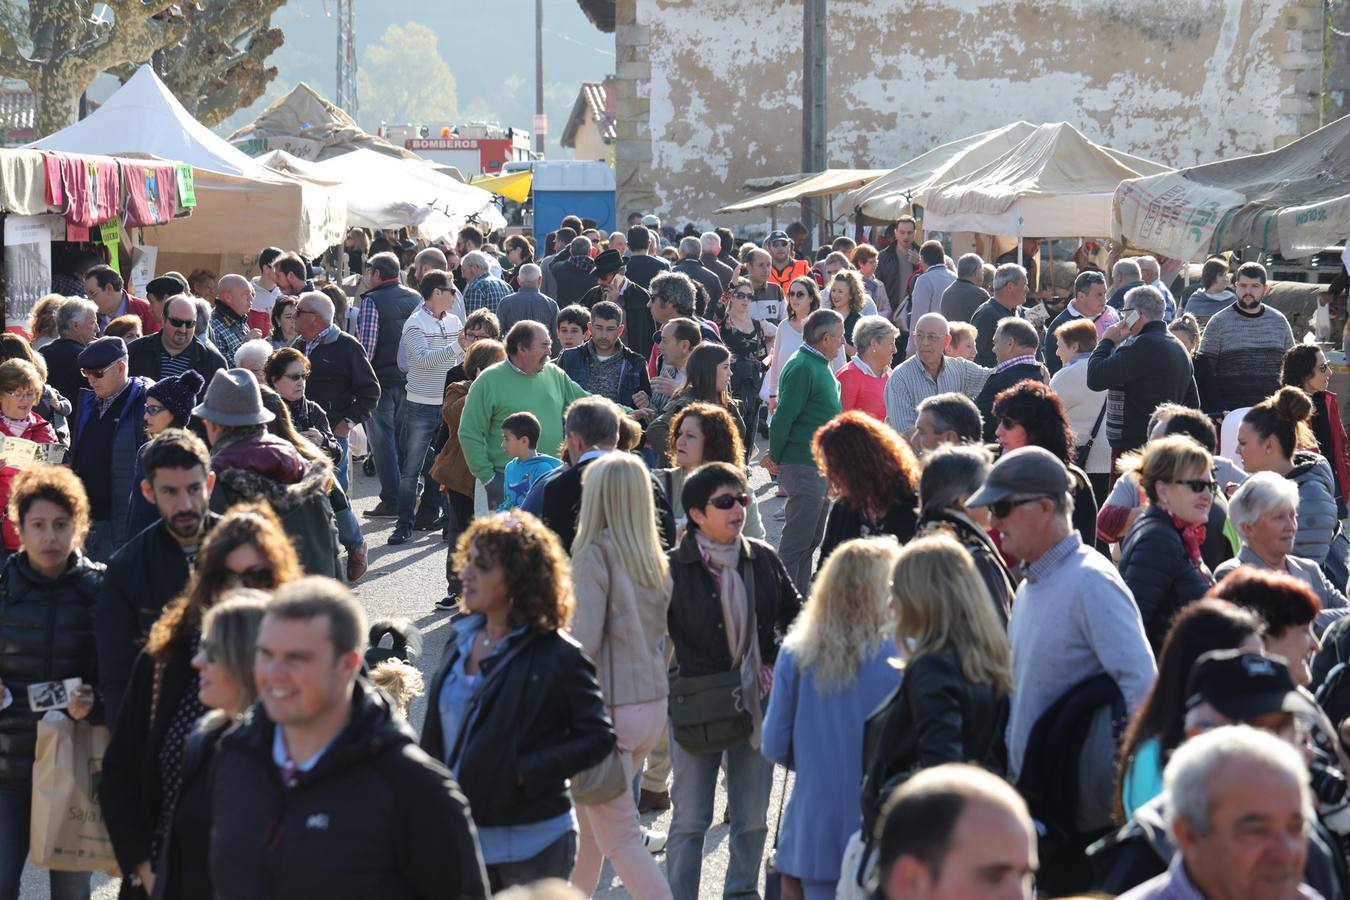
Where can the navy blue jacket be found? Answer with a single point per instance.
(127, 441)
(632, 371)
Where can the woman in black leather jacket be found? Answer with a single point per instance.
(1160, 556)
(952, 702)
(515, 709)
(47, 594)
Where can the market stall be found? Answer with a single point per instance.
(830, 183)
(1293, 201)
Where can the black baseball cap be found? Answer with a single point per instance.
(1243, 685)
(777, 236)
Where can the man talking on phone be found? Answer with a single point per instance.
(1142, 365)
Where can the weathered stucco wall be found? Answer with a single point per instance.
(709, 90)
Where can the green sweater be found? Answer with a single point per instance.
(500, 391)
(808, 397)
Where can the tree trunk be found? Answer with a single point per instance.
(58, 99)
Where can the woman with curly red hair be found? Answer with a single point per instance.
(1031, 414)
(515, 709)
(874, 478)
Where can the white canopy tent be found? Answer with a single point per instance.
(1054, 183)
(892, 195)
(384, 192)
(242, 206)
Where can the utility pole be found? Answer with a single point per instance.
(540, 126)
(346, 56)
(813, 106)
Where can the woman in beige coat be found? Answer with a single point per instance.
(622, 588)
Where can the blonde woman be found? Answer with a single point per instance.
(622, 589)
(836, 665)
(952, 703)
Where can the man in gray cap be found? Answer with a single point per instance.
(1073, 616)
(108, 431)
(253, 465)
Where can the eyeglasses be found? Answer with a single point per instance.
(181, 323)
(259, 577)
(305, 312)
(727, 501)
(152, 409)
(742, 295)
(1198, 485)
(95, 374)
(23, 396)
(1001, 509)
(295, 376)
(1324, 368)
(924, 337)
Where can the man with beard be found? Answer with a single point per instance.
(1238, 364)
(153, 567)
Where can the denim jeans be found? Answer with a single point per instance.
(417, 428)
(382, 430)
(343, 468)
(804, 517)
(554, 861)
(15, 812)
(749, 783)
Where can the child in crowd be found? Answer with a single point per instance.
(520, 440)
(573, 324)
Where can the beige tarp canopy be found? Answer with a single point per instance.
(1293, 201)
(831, 181)
(1054, 183)
(893, 194)
(241, 205)
(307, 126)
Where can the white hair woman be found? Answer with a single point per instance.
(835, 667)
(622, 589)
(862, 381)
(951, 705)
(1264, 510)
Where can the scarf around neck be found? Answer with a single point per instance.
(738, 615)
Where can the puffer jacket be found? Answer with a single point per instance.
(375, 817)
(935, 716)
(1316, 505)
(269, 469)
(46, 634)
(1160, 575)
(450, 469)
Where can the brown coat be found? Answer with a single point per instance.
(450, 469)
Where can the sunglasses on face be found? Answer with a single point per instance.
(1198, 485)
(798, 294)
(95, 374)
(727, 501)
(295, 376)
(152, 409)
(181, 323)
(742, 295)
(1001, 509)
(259, 577)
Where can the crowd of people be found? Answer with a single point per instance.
(1058, 597)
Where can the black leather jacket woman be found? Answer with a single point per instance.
(539, 719)
(935, 716)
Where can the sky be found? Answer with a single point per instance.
(491, 56)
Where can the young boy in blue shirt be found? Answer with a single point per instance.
(520, 440)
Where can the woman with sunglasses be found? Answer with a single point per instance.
(287, 372)
(1030, 414)
(748, 339)
(283, 322)
(803, 298)
(1305, 367)
(1160, 556)
(20, 388)
(168, 404)
(1274, 437)
(729, 591)
(143, 767)
(47, 595)
(225, 687)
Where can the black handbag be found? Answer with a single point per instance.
(1081, 451)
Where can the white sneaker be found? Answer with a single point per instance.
(654, 841)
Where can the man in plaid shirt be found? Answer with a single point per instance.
(482, 290)
(229, 322)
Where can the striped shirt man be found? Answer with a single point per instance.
(911, 383)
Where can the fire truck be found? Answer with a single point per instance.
(477, 148)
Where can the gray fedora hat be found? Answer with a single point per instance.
(233, 398)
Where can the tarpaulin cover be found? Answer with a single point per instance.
(1054, 183)
(306, 125)
(1293, 201)
(242, 206)
(821, 184)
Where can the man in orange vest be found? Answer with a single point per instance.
(783, 266)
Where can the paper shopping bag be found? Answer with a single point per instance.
(68, 833)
